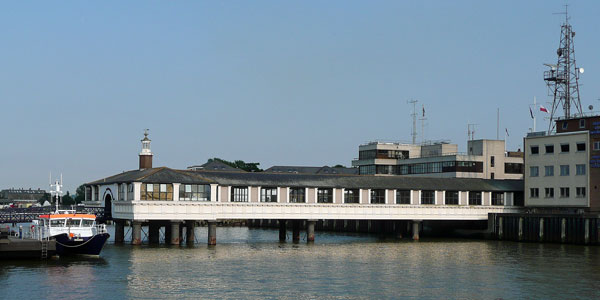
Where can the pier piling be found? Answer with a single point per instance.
(175, 233)
(212, 233)
(119, 231)
(310, 231)
(190, 238)
(415, 230)
(282, 230)
(296, 230)
(136, 234)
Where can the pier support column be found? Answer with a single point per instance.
(190, 237)
(563, 230)
(520, 228)
(119, 231)
(586, 237)
(174, 233)
(282, 230)
(136, 233)
(310, 231)
(296, 230)
(415, 230)
(212, 233)
(541, 230)
(153, 232)
(398, 229)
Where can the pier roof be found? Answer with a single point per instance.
(167, 175)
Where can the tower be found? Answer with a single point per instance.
(146, 154)
(563, 78)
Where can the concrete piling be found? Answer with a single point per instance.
(136, 234)
(415, 230)
(310, 231)
(119, 231)
(153, 232)
(190, 238)
(175, 233)
(212, 233)
(296, 230)
(282, 230)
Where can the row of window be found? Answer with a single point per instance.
(564, 148)
(534, 171)
(564, 192)
(423, 168)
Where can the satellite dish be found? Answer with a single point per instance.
(552, 66)
(581, 70)
(591, 107)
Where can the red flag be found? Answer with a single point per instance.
(542, 108)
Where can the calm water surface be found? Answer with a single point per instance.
(250, 263)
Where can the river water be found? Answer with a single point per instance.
(251, 263)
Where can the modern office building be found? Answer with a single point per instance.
(563, 169)
(485, 159)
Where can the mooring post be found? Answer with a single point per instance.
(174, 233)
(296, 230)
(119, 231)
(212, 233)
(282, 230)
(136, 234)
(310, 231)
(190, 237)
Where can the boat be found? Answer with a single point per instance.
(20, 247)
(75, 233)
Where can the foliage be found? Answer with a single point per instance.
(67, 199)
(44, 198)
(80, 194)
(339, 166)
(240, 164)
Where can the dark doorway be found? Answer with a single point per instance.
(108, 207)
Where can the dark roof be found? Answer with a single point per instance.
(166, 175)
(312, 170)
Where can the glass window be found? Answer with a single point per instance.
(88, 223)
(474, 198)
(565, 125)
(57, 222)
(402, 197)
(157, 192)
(73, 222)
(535, 150)
(497, 198)
(351, 196)
(597, 145)
(378, 196)
(534, 193)
(88, 193)
(564, 192)
(427, 197)
(297, 195)
(130, 191)
(580, 192)
(194, 192)
(534, 171)
(549, 192)
(580, 147)
(122, 192)
(451, 197)
(492, 161)
(268, 194)
(549, 149)
(582, 123)
(564, 170)
(239, 194)
(549, 171)
(580, 169)
(564, 148)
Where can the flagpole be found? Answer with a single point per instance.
(534, 106)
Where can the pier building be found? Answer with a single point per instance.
(485, 159)
(181, 198)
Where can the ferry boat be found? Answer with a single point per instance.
(75, 233)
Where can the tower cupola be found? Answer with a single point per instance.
(146, 154)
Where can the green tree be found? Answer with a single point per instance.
(339, 166)
(44, 198)
(67, 199)
(240, 164)
(80, 194)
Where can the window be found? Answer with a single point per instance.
(564, 148)
(534, 193)
(564, 170)
(492, 161)
(239, 194)
(378, 196)
(88, 193)
(564, 192)
(597, 145)
(549, 192)
(324, 195)
(366, 170)
(582, 123)
(549, 149)
(580, 147)
(297, 195)
(157, 191)
(351, 196)
(96, 194)
(474, 198)
(451, 197)
(534, 172)
(535, 150)
(130, 192)
(268, 194)
(427, 197)
(194, 192)
(122, 192)
(549, 171)
(497, 198)
(402, 197)
(513, 168)
(492, 175)
(580, 192)
(579, 169)
(565, 125)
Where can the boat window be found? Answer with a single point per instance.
(73, 222)
(88, 223)
(57, 222)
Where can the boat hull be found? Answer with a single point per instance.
(92, 245)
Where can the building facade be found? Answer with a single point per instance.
(486, 159)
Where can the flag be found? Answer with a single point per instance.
(423, 111)
(506, 129)
(531, 113)
(542, 108)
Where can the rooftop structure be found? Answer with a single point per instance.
(312, 170)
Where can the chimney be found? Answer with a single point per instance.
(146, 154)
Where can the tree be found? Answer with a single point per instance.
(339, 166)
(240, 164)
(67, 199)
(80, 194)
(44, 198)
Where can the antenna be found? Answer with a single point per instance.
(413, 133)
(471, 131)
(423, 119)
(562, 79)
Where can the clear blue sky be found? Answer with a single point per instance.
(275, 82)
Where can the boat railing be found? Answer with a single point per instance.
(101, 228)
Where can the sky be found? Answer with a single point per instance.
(274, 82)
